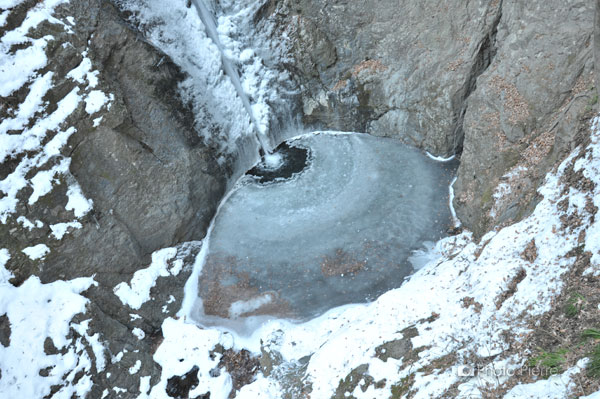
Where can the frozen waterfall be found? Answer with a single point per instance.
(208, 19)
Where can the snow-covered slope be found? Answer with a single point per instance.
(42, 346)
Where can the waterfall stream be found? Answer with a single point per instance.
(208, 19)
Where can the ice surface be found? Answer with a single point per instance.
(339, 232)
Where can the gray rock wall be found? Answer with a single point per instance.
(508, 83)
(504, 83)
(389, 68)
(528, 108)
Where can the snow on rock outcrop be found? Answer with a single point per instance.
(555, 387)
(473, 303)
(35, 132)
(42, 351)
(137, 292)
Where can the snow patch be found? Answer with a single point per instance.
(60, 229)
(43, 181)
(37, 252)
(134, 316)
(23, 221)
(84, 72)
(555, 387)
(592, 396)
(136, 367)
(77, 201)
(139, 333)
(98, 348)
(3, 17)
(95, 100)
(36, 312)
(137, 292)
(184, 347)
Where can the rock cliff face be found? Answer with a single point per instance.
(528, 108)
(503, 84)
(388, 68)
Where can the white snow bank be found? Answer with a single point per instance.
(184, 347)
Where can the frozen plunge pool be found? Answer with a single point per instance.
(339, 231)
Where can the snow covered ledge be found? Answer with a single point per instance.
(473, 305)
